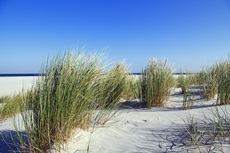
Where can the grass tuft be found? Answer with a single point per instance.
(70, 96)
(156, 82)
(185, 83)
(11, 104)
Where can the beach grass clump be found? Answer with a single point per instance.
(131, 88)
(3, 99)
(188, 99)
(185, 83)
(209, 82)
(223, 81)
(216, 81)
(11, 104)
(218, 124)
(65, 99)
(193, 132)
(134, 87)
(10, 107)
(211, 130)
(182, 82)
(156, 83)
(113, 86)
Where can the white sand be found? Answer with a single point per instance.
(136, 129)
(11, 85)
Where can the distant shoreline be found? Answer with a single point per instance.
(37, 74)
(20, 74)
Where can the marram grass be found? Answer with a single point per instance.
(216, 81)
(156, 82)
(208, 132)
(113, 85)
(223, 81)
(3, 99)
(77, 93)
(11, 104)
(131, 88)
(67, 98)
(209, 83)
(185, 83)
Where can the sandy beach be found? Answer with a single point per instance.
(12, 85)
(134, 129)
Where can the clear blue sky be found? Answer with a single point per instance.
(190, 33)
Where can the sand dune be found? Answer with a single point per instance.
(135, 128)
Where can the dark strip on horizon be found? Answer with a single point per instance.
(37, 74)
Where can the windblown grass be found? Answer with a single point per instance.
(209, 83)
(135, 87)
(193, 132)
(156, 82)
(113, 85)
(186, 82)
(211, 131)
(11, 104)
(223, 77)
(67, 98)
(77, 93)
(131, 88)
(216, 122)
(10, 107)
(3, 99)
(216, 81)
(111, 88)
(182, 82)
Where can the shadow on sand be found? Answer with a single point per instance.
(9, 141)
(175, 139)
(137, 106)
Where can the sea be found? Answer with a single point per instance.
(19, 74)
(38, 74)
